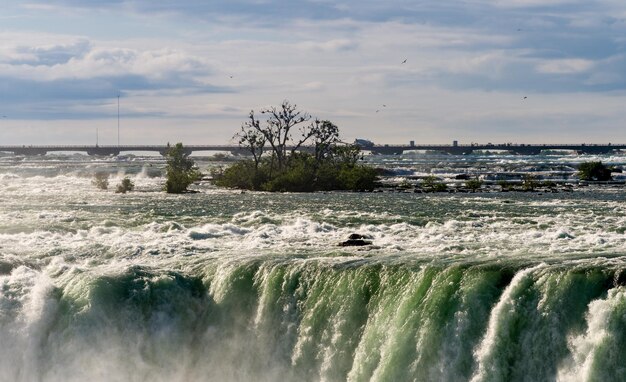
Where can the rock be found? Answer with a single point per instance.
(355, 243)
(356, 240)
(355, 236)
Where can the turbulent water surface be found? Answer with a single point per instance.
(227, 286)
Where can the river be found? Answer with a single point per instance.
(221, 285)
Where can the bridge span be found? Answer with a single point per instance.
(114, 150)
(454, 149)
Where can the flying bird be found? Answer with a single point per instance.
(404, 62)
(384, 105)
(524, 97)
(377, 111)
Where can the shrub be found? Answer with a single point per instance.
(358, 178)
(298, 176)
(242, 175)
(474, 184)
(529, 182)
(433, 184)
(505, 185)
(101, 180)
(125, 186)
(405, 184)
(440, 187)
(302, 173)
(594, 171)
(181, 171)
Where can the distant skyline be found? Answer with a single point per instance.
(431, 71)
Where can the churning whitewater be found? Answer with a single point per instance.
(224, 286)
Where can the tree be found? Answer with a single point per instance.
(348, 155)
(181, 171)
(325, 137)
(277, 130)
(252, 139)
(594, 171)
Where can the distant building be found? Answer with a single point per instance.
(411, 143)
(455, 143)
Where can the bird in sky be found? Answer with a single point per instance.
(404, 62)
(377, 111)
(384, 105)
(524, 97)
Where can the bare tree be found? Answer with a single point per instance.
(251, 137)
(277, 130)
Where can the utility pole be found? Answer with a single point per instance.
(118, 119)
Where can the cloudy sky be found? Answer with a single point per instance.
(191, 70)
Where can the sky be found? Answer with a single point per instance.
(431, 71)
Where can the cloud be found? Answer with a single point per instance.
(36, 79)
(565, 66)
(336, 45)
(339, 57)
(534, 3)
(27, 59)
(47, 55)
(314, 86)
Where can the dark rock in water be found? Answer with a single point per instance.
(462, 177)
(356, 240)
(355, 243)
(356, 236)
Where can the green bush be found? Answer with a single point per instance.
(301, 173)
(474, 184)
(238, 175)
(594, 171)
(505, 185)
(181, 170)
(298, 176)
(125, 186)
(433, 184)
(529, 182)
(358, 178)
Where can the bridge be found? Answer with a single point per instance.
(518, 149)
(114, 150)
(455, 149)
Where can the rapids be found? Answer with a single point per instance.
(225, 286)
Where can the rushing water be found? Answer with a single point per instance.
(229, 286)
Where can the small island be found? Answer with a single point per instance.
(294, 152)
